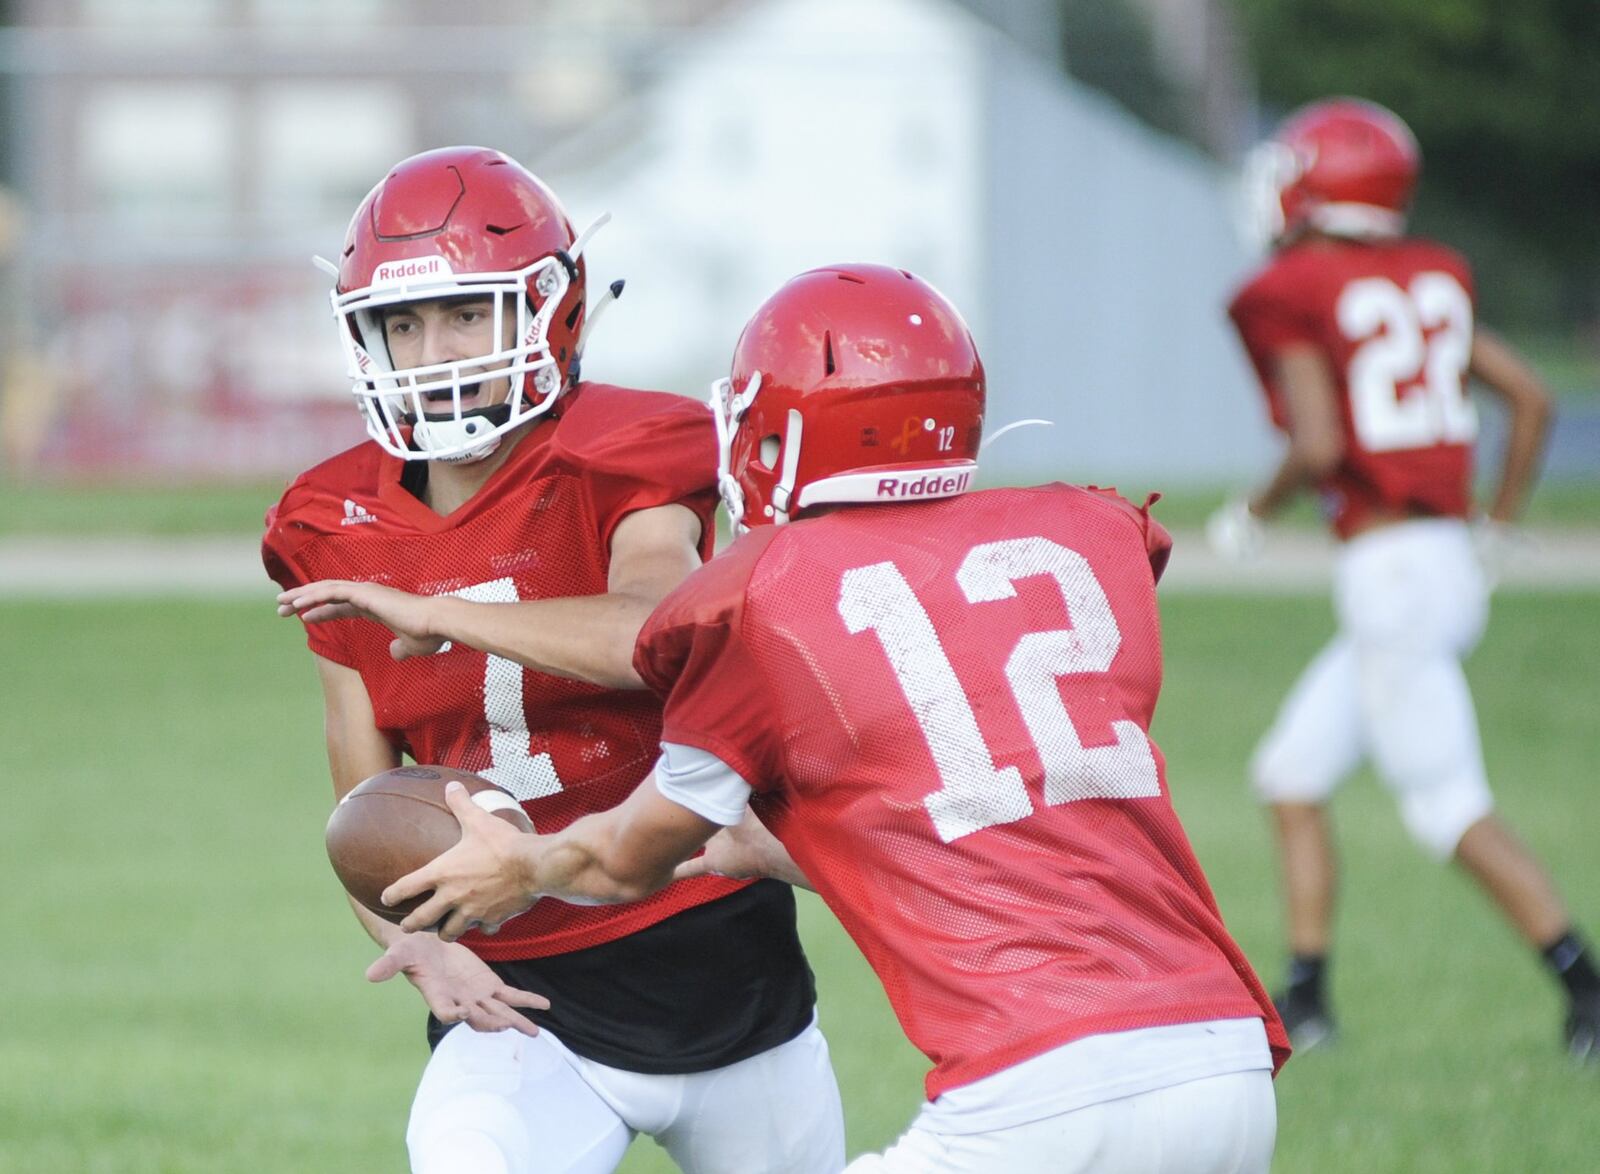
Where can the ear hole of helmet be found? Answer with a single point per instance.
(770, 446)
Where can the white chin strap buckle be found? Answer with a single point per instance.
(783, 491)
(443, 435)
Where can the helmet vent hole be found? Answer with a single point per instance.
(502, 230)
(572, 318)
(769, 450)
(827, 352)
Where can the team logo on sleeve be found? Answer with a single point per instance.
(355, 515)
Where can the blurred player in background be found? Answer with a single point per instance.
(939, 702)
(1363, 339)
(494, 476)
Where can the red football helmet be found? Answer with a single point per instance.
(1342, 166)
(852, 383)
(447, 223)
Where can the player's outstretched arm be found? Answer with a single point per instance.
(456, 985)
(410, 617)
(1316, 446)
(1316, 441)
(589, 638)
(356, 750)
(1504, 372)
(745, 851)
(495, 872)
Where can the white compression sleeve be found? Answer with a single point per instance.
(702, 782)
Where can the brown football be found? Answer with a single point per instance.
(397, 821)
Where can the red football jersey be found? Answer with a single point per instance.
(1395, 320)
(539, 529)
(943, 710)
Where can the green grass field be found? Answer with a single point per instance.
(184, 986)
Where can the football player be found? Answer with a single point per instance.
(473, 578)
(939, 701)
(1363, 339)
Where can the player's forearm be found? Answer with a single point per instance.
(1530, 425)
(581, 864)
(587, 638)
(755, 851)
(380, 931)
(1316, 440)
(1288, 480)
(1510, 378)
(781, 866)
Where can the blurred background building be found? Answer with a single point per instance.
(1062, 168)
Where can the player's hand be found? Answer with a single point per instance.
(1497, 545)
(457, 985)
(745, 850)
(482, 882)
(409, 617)
(1234, 532)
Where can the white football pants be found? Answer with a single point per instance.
(1411, 601)
(1217, 1125)
(504, 1103)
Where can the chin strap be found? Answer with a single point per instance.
(612, 293)
(783, 491)
(602, 303)
(994, 436)
(1358, 221)
(452, 432)
(587, 235)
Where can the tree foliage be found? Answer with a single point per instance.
(1504, 96)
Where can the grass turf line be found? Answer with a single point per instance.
(191, 511)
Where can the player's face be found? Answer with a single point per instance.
(448, 330)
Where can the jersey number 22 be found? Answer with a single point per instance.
(1420, 333)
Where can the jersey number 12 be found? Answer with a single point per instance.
(974, 793)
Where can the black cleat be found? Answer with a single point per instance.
(1583, 1032)
(1307, 1021)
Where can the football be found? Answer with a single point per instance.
(397, 821)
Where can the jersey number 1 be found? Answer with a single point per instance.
(973, 792)
(512, 767)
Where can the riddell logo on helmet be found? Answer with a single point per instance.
(929, 485)
(394, 272)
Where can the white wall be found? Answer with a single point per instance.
(1091, 255)
(803, 133)
(1112, 253)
